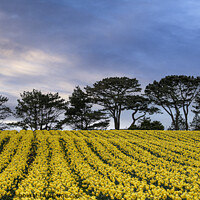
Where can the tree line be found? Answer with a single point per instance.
(176, 95)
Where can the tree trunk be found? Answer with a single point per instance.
(186, 123)
(177, 123)
(136, 119)
(116, 121)
(186, 118)
(133, 118)
(174, 122)
(177, 119)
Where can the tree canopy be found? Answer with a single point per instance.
(173, 93)
(39, 111)
(147, 124)
(140, 106)
(79, 113)
(111, 94)
(5, 112)
(195, 124)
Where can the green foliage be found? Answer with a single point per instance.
(195, 124)
(140, 106)
(111, 93)
(4, 112)
(173, 93)
(79, 115)
(146, 124)
(181, 123)
(39, 111)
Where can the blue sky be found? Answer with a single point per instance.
(53, 45)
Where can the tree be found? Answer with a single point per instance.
(157, 125)
(173, 93)
(181, 123)
(146, 124)
(188, 87)
(111, 94)
(79, 115)
(195, 124)
(4, 112)
(140, 106)
(39, 111)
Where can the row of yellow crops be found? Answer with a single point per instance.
(100, 165)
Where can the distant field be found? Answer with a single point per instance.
(100, 165)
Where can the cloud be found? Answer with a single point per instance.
(16, 60)
(20, 68)
(41, 57)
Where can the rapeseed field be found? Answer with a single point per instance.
(113, 164)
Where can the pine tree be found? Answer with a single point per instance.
(195, 125)
(111, 93)
(79, 113)
(39, 111)
(4, 112)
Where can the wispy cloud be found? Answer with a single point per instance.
(41, 57)
(20, 68)
(18, 60)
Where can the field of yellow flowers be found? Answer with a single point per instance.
(105, 165)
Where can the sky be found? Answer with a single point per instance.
(53, 45)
